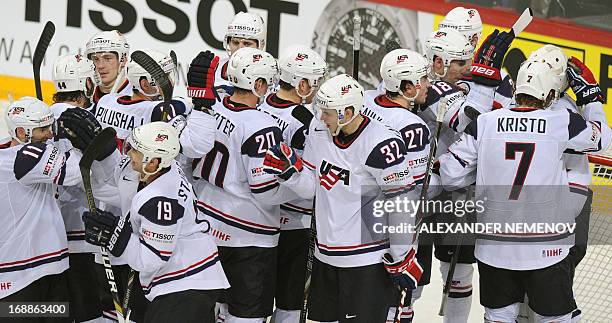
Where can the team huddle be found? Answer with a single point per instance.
(205, 208)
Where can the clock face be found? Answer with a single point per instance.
(376, 30)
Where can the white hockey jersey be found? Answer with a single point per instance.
(222, 83)
(124, 114)
(502, 98)
(168, 246)
(124, 89)
(345, 175)
(293, 120)
(411, 128)
(241, 199)
(515, 156)
(454, 120)
(33, 242)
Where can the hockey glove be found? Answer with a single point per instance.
(104, 229)
(489, 57)
(282, 161)
(201, 80)
(79, 126)
(583, 83)
(404, 273)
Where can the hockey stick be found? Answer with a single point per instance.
(433, 146)
(453, 264)
(89, 155)
(356, 45)
(39, 54)
(522, 22)
(160, 77)
(392, 45)
(174, 59)
(309, 260)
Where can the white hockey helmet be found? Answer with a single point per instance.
(537, 79)
(247, 65)
(556, 58)
(300, 62)
(246, 25)
(70, 73)
(135, 72)
(466, 21)
(448, 44)
(338, 93)
(154, 140)
(108, 41)
(28, 113)
(403, 65)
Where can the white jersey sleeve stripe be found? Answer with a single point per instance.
(237, 222)
(34, 261)
(353, 250)
(182, 273)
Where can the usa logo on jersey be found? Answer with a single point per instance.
(331, 174)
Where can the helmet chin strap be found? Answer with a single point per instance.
(145, 177)
(411, 99)
(340, 125)
(443, 75)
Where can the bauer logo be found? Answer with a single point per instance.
(402, 58)
(301, 57)
(257, 58)
(161, 137)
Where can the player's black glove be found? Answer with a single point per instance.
(80, 127)
(201, 80)
(489, 57)
(583, 83)
(405, 273)
(104, 229)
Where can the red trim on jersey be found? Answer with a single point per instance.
(383, 101)
(274, 101)
(263, 184)
(97, 94)
(234, 106)
(524, 109)
(5, 145)
(224, 71)
(46, 255)
(233, 218)
(127, 100)
(309, 165)
(354, 135)
(375, 243)
(497, 105)
(122, 87)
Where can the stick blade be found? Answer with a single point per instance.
(160, 77)
(39, 54)
(392, 45)
(523, 21)
(93, 150)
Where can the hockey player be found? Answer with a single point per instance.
(159, 233)
(143, 104)
(468, 23)
(301, 72)
(534, 187)
(125, 113)
(245, 30)
(34, 254)
(241, 200)
(350, 158)
(590, 100)
(404, 74)
(74, 78)
(109, 51)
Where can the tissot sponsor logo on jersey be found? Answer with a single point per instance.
(159, 237)
(418, 161)
(331, 174)
(257, 171)
(51, 161)
(393, 177)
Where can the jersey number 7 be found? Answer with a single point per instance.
(527, 149)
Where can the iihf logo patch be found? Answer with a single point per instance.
(345, 89)
(301, 57)
(257, 57)
(161, 137)
(17, 110)
(402, 58)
